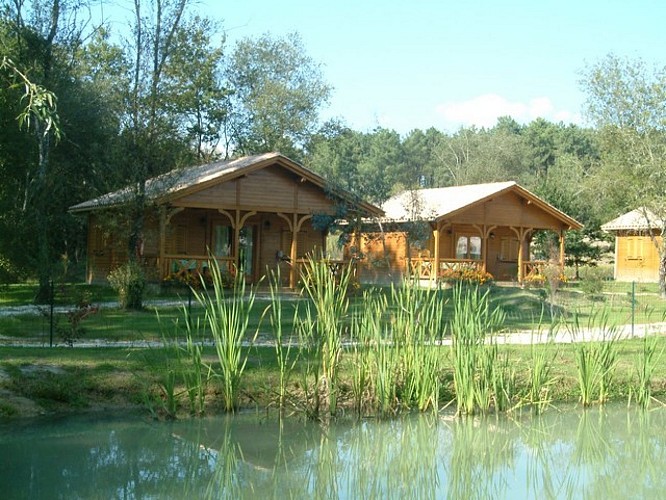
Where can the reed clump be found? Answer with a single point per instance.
(596, 358)
(226, 317)
(646, 363)
(391, 343)
(286, 356)
(322, 330)
(481, 380)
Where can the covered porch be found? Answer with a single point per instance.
(253, 215)
(503, 252)
(247, 241)
(484, 228)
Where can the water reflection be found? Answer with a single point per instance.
(597, 453)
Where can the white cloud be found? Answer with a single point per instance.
(484, 110)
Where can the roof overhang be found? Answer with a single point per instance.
(165, 188)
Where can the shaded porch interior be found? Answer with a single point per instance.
(180, 241)
(503, 251)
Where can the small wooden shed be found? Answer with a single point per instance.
(249, 213)
(637, 241)
(488, 227)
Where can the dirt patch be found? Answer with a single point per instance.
(39, 369)
(12, 405)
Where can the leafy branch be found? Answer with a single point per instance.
(40, 103)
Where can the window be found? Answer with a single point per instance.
(221, 241)
(468, 247)
(635, 248)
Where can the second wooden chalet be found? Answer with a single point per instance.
(488, 227)
(248, 213)
(637, 242)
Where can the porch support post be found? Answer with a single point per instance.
(161, 263)
(484, 246)
(237, 227)
(293, 252)
(521, 245)
(521, 233)
(435, 269)
(238, 224)
(562, 242)
(165, 220)
(294, 224)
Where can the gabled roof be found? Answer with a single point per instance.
(442, 203)
(180, 182)
(640, 219)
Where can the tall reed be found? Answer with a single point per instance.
(366, 336)
(283, 353)
(227, 318)
(327, 294)
(310, 366)
(645, 365)
(197, 375)
(473, 322)
(595, 359)
(417, 324)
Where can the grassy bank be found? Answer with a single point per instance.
(65, 380)
(372, 352)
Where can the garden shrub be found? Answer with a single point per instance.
(130, 282)
(592, 282)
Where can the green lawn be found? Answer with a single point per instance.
(525, 309)
(69, 293)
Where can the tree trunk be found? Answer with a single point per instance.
(41, 218)
(662, 271)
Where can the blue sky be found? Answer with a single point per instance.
(422, 63)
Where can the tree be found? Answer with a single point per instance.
(474, 155)
(335, 153)
(193, 78)
(420, 165)
(278, 91)
(626, 100)
(40, 37)
(153, 140)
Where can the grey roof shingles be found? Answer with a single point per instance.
(639, 219)
(173, 181)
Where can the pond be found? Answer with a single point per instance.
(611, 452)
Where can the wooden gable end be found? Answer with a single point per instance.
(507, 209)
(270, 189)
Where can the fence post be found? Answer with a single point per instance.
(633, 307)
(189, 303)
(51, 301)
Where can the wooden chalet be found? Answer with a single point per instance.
(487, 227)
(637, 241)
(248, 213)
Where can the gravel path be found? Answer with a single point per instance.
(562, 336)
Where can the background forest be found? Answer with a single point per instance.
(167, 91)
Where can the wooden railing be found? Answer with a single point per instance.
(193, 264)
(421, 267)
(182, 266)
(424, 267)
(336, 266)
(533, 268)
